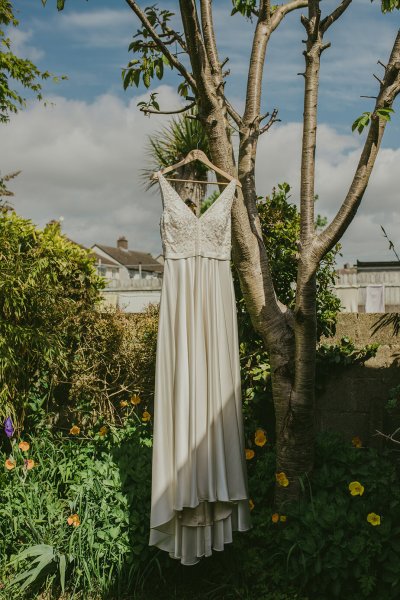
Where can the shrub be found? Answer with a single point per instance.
(114, 363)
(47, 284)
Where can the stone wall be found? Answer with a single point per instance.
(353, 398)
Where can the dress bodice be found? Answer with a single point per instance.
(184, 235)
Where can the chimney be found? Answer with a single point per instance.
(122, 242)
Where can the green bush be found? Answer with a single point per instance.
(47, 284)
(115, 360)
(325, 548)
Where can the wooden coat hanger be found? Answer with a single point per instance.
(190, 157)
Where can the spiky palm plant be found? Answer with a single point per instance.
(170, 145)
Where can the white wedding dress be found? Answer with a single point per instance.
(199, 480)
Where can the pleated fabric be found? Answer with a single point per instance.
(199, 479)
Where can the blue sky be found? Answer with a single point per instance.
(92, 139)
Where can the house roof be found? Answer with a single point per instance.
(132, 258)
(103, 259)
(380, 265)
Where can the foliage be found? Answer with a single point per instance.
(326, 547)
(172, 143)
(364, 119)
(393, 401)
(345, 353)
(114, 362)
(47, 285)
(15, 71)
(152, 60)
(321, 547)
(99, 478)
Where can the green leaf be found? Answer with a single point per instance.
(62, 566)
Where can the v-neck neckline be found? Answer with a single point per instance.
(186, 206)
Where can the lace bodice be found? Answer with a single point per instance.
(184, 235)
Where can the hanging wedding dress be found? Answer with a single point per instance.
(199, 479)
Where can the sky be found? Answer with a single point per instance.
(81, 155)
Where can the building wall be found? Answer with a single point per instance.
(351, 287)
(353, 398)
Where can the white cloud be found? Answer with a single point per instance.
(83, 160)
(21, 47)
(336, 159)
(95, 19)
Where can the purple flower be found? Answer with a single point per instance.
(8, 427)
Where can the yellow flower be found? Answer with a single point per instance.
(103, 430)
(29, 464)
(24, 446)
(260, 438)
(249, 454)
(10, 464)
(356, 489)
(123, 403)
(275, 518)
(282, 479)
(283, 518)
(374, 519)
(135, 400)
(357, 442)
(251, 504)
(74, 430)
(146, 416)
(73, 520)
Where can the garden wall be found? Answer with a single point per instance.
(353, 398)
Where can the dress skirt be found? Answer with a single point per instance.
(199, 477)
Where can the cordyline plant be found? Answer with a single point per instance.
(289, 334)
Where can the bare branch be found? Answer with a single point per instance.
(391, 437)
(161, 45)
(148, 111)
(273, 119)
(232, 112)
(284, 9)
(209, 37)
(389, 90)
(335, 14)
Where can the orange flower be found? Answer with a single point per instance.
(29, 464)
(24, 446)
(74, 520)
(249, 454)
(251, 504)
(275, 518)
(135, 399)
(282, 479)
(260, 438)
(75, 430)
(146, 416)
(357, 442)
(10, 464)
(103, 430)
(123, 403)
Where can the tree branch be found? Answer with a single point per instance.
(147, 111)
(284, 9)
(335, 14)
(273, 119)
(163, 48)
(390, 88)
(209, 38)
